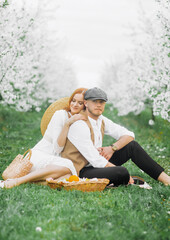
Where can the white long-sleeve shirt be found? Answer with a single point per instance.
(79, 135)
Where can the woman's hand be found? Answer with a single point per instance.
(75, 118)
(106, 152)
(63, 135)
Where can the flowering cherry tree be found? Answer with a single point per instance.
(142, 79)
(32, 67)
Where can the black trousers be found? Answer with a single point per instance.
(119, 175)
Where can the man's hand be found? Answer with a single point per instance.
(131, 181)
(109, 164)
(106, 152)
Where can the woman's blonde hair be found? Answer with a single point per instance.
(77, 91)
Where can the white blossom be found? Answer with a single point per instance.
(32, 66)
(38, 229)
(142, 79)
(151, 122)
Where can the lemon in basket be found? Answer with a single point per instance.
(73, 178)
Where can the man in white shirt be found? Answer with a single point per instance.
(105, 162)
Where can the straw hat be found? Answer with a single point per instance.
(57, 105)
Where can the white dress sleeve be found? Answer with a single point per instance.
(55, 127)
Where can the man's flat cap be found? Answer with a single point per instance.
(95, 94)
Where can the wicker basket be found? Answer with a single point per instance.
(19, 167)
(85, 186)
(57, 105)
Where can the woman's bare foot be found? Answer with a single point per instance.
(10, 183)
(164, 178)
(1, 184)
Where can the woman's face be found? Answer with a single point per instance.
(77, 103)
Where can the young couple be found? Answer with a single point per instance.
(72, 145)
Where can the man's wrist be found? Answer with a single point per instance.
(114, 147)
(109, 164)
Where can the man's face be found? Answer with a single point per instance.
(94, 107)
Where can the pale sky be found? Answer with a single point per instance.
(96, 32)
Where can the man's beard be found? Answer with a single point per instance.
(96, 115)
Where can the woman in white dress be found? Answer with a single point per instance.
(45, 157)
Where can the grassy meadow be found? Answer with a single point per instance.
(37, 212)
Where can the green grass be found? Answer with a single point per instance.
(121, 213)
